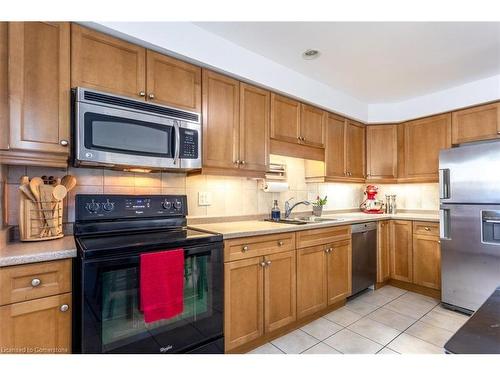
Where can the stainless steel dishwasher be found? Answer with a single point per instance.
(364, 256)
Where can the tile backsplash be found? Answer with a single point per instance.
(230, 196)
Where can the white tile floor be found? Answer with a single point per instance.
(386, 321)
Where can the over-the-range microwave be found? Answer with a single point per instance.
(123, 133)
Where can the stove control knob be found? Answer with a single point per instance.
(108, 206)
(166, 204)
(177, 205)
(93, 207)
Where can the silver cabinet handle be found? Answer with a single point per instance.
(242, 162)
(151, 96)
(268, 262)
(244, 248)
(64, 308)
(427, 229)
(237, 162)
(326, 251)
(280, 243)
(262, 264)
(142, 93)
(64, 143)
(35, 282)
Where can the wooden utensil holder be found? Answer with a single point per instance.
(33, 224)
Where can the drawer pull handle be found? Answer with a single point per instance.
(427, 229)
(64, 308)
(280, 243)
(35, 282)
(244, 248)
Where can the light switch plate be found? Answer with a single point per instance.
(204, 198)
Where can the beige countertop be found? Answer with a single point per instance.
(32, 252)
(235, 229)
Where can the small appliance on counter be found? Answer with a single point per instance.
(390, 204)
(114, 234)
(371, 205)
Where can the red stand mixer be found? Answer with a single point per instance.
(371, 205)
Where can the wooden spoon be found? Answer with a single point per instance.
(25, 180)
(59, 192)
(69, 182)
(25, 189)
(34, 185)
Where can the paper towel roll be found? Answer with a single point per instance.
(275, 186)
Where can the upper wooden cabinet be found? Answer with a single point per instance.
(475, 124)
(254, 128)
(401, 252)
(312, 126)
(335, 147)
(355, 150)
(4, 87)
(39, 93)
(285, 119)
(381, 152)
(423, 139)
(221, 96)
(173, 82)
(105, 63)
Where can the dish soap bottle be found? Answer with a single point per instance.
(275, 212)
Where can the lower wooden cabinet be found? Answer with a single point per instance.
(401, 252)
(259, 297)
(383, 251)
(339, 271)
(427, 261)
(38, 326)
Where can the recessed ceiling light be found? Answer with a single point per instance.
(310, 54)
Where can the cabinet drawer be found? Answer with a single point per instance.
(426, 228)
(29, 281)
(314, 237)
(248, 247)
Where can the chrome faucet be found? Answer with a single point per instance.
(288, 209)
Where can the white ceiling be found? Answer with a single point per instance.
(375, 62)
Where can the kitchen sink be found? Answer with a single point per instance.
(288, 221)
(305, 220)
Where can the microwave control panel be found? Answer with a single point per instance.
(189, 144)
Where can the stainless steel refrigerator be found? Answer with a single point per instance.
(469, 181)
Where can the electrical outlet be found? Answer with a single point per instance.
(204, 198)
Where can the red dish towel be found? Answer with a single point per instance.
(161, 284)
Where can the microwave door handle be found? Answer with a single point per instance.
(177, 142)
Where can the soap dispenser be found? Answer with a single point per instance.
(275, 212)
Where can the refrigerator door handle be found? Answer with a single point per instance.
(444, 184)
(444, 224)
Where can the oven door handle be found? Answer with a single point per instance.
(177, 142)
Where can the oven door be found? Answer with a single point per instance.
(118, 137)
(110, 319)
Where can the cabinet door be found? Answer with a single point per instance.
(339, 260)
(335, 147)
(37, 326)
(254, 127)
(423, 140)
(243, 301)
(4, 87)
(104, 63)
(401, 250)
(173, 82)
(280, 305)
(311, 280)
(383, 251)
(39, 75)
(475, 124)
(381, 152)
(355, 150)
(220, 120)
(427, 261)
(312, 126)
(285, 119)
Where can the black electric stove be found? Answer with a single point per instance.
(111, 231)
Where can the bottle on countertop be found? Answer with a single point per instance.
(275, 211)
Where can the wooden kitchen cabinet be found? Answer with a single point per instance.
(355, 150)
(426, 258)
(381, 153)
(339, 271)
(105, 63)
(423, 139)
(312, 292)
(243, 301)
(280, 305)
(39, 94)
(335, 147)
(383, 251)
(173, 82)
(476, 124)
(312, 126)
(255, 110)
(4, 86)
(285, 119)
(401, 254)
(221, 96)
